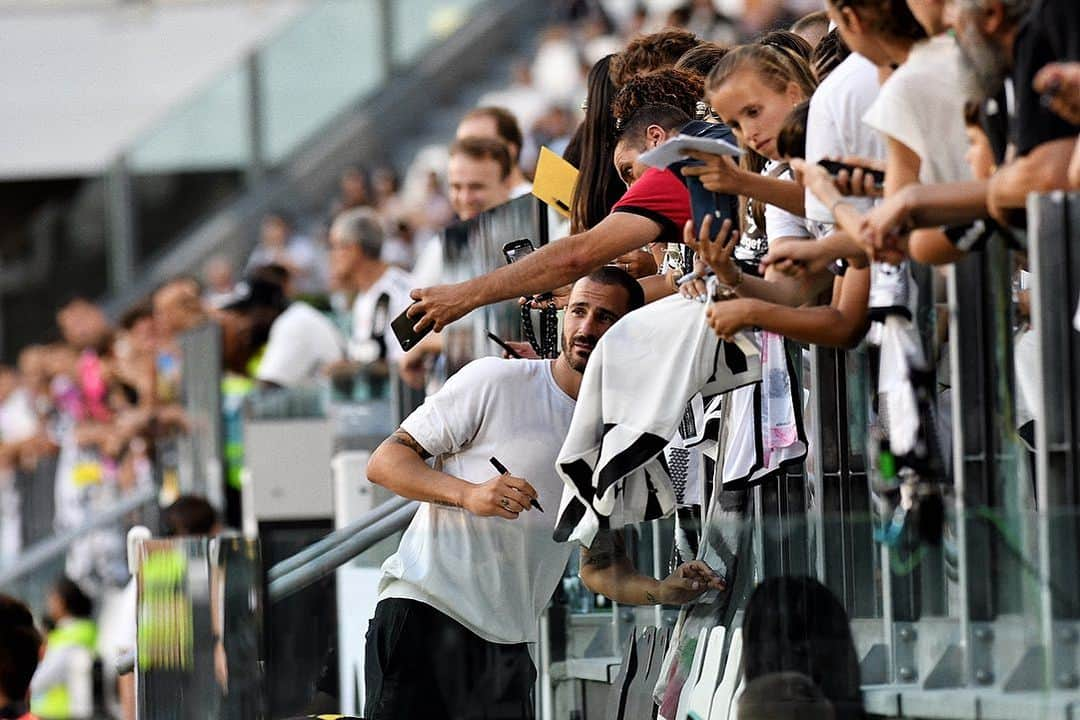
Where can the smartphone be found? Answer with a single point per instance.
(835, 167)
(403, 330)
(499, 341)
(517, 249)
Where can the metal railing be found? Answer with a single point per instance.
(40, 553)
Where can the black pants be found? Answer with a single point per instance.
(419, 663)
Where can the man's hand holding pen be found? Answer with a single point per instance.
(502, 496)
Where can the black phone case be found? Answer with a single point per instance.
(513, 245)
(403, 331)
(835, 167)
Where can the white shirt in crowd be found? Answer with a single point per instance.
(834, 128)
(395, 283)
(522, 188)
(302, 341)
(920, 106)
(779, 223)
(492, 575)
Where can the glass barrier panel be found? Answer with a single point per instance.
(418, 24)
(191, 163)
(315, 69)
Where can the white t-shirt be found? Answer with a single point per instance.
(395, 283)
(779, 223)
(921, 106)
(492, 575)
(302, 341)
(834, 128)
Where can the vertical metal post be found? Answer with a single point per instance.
(1054, 223)
(386, 31)
(972, 377)
(256, 164)
(120, 221)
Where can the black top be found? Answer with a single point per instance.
(1049, 33)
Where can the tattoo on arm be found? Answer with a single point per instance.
(651, 598)
(400, 437)
(608, 547)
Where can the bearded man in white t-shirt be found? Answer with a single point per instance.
(460, 600)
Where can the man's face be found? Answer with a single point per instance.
(628, 150)
(82, 324)
(344, 257)
(177, 308)
(476, 185)
(590, 312)
(984, 54)
(274, 232)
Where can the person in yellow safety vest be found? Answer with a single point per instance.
(62, 685)
(20, 648)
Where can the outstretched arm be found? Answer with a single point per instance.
(553, 265)
(841, 324)
(606, 569)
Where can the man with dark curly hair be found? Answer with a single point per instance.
(678, 88)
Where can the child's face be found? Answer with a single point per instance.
(979, 154)
(753, 110)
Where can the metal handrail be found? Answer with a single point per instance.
(44, 551)
(341, 553)
(316, 549)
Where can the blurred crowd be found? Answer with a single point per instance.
(940, 117)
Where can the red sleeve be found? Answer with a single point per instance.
(660, 196)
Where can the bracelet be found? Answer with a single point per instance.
(739, 279)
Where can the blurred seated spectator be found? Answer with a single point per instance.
(354, 191)
(20, 650)
(63, 684)
(795, 624)
(299, 340)
(379, 291)
(219, 280)
(556, 68)
(552, 130)
(521, 95)
(178, 307)
(784, 696)
(281, 244)
(397, 246)
(500, 124)
(18, 425)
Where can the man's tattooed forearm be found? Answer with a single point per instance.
(446, 503)
(400, 437)
(608, 546)
(651, 598)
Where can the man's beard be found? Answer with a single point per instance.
(576, 364)
(985, 63)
